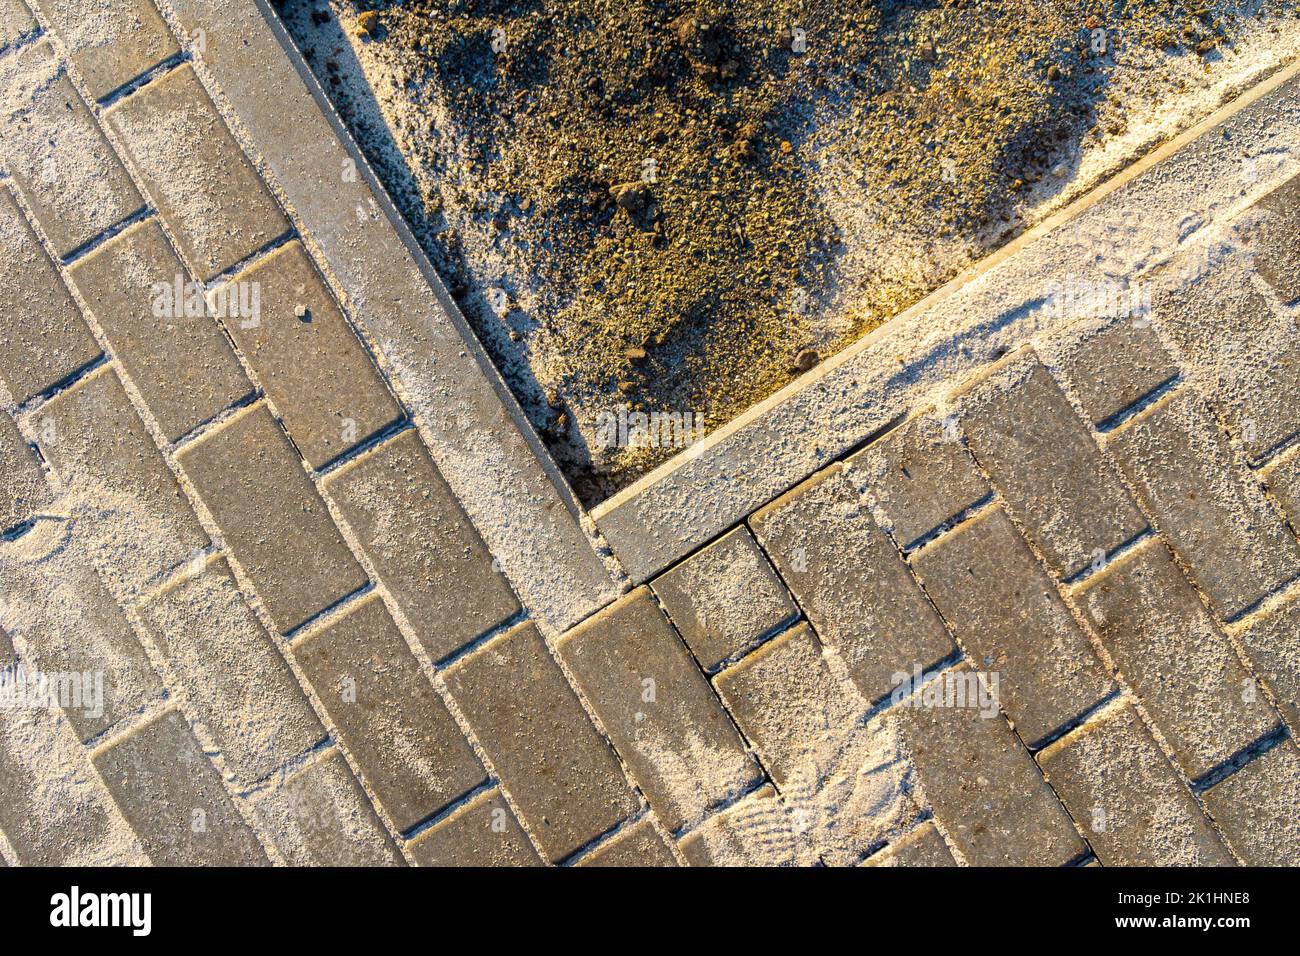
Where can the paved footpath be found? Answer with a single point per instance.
(303, 587)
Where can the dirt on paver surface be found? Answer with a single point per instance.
(680, 206)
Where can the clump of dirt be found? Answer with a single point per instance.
(678, 206)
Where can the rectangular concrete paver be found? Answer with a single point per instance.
(725, 598)
(233, 677)
(113, 43)
(1042, 458)
(204, 187)
(396, 727)
(423, 546)
(636, 846)
(1282, 478)
(55, 150)
(657, 708)
(1217, 518)
(484, 832)
(23, 488)
(924, 847)
(321, 817)
(1170, 651)
(1272, 642)
(1006, 611)
(557, 769)
(113, 474)
(156, 324)
(272, 517)
(1274, 239)
(173, 798)
(43, 338)
(16, 21)
(850, 579)
(919, 476)
(985, 789)
(1129, 800)
(1112, 366)
(1258, 807)
(308, 359)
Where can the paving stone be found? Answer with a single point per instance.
(1274, 236)
(1258, 807)
(43, 338)
(1248, 359)
(112, 474)
(176, 356)
(118, 41)
(755, 832)
(847, 575)
(559, 772)
(234, 678)
(1006, 611)
(639, 845)
(54, 149)
(251, 479)
(402, 736)
(23, 489)
(924, 846)
(313, 367)
(321, 817)
(1045, 463)
(725, 598)
(52, 599)
(1172, 654)
(918, 477)
(1283, 480)
(16, 21)
(1128, 799)
(985, 790)
(1216, 516)
(482, 833)
(1110, 367)
(657, 708)
(202, 184)
(422, 545)
(173, 798)
(1272, 642)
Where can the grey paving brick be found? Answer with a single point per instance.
(180, 361)
(1129, 800)
(985, 790)
(112, 45)
(482, 833)
(173, 798)
(657, 708)
(23, 488)
(234, 678)
(1216, 516)
(58, 155)
(16, 21)
(924, 846)
(725, 598)
(1273, 232)
(313, 367)
(52, 599)
(1258, 807)
(1282, 478)
(251, 479)
(918, 477)
(118, 479)
(1272, 643)
(423, 546)
(639, 845)
(394, 724)
(1112, 366)
(320, 817)
(1006, 611)
(851, 581)
(1045, 463)
(559, 772)
(204, 187)
(43, 338)
(757, 831)
(1248, 360)
(1170, 651)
